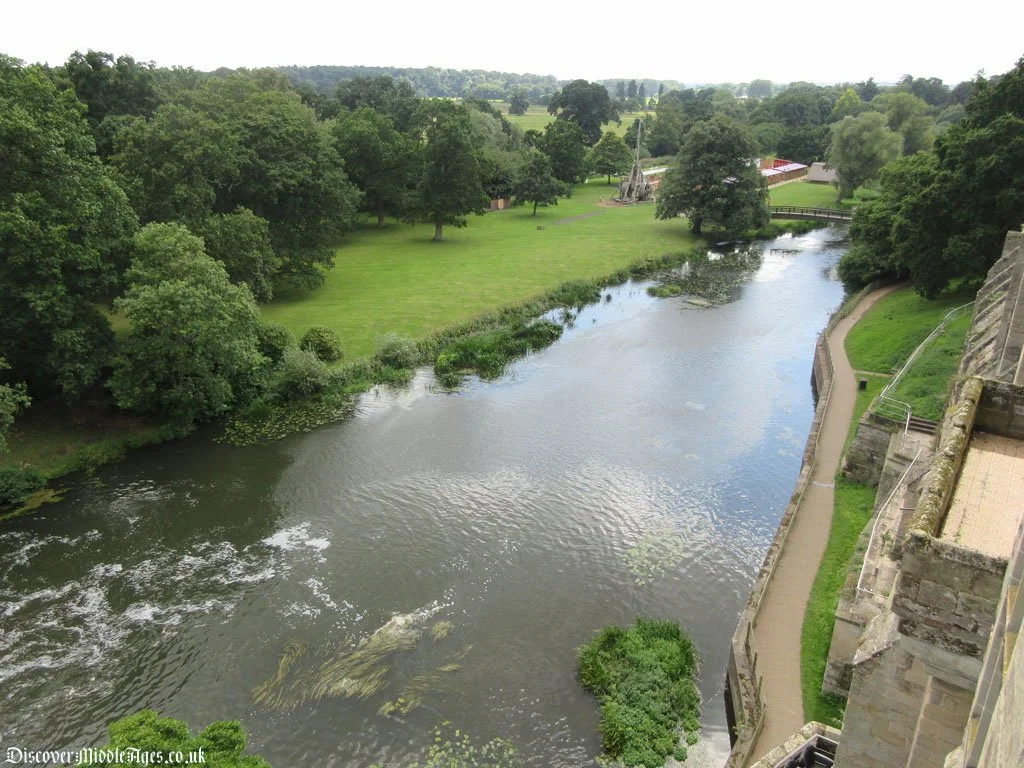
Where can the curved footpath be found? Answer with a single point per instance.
(777, 629)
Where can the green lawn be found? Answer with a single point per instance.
(808, 195)
(537, 117)
(804, 194)
(925, 385)
(397, 279)
(852, 512)
(894, 326)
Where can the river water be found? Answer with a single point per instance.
(637, 466)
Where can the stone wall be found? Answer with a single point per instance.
(1001, 409)
(866, 455)
(746, 709)
(909, 702)
(947, 595)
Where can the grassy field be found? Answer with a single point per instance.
(852, 511)
(925, 385)
(803, 193)
(808, 195)
(895, 326)
(537, 117)
(397, 279)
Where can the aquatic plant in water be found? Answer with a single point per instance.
(452, 747)
(656, 553)
(359, 671)
(644, 677)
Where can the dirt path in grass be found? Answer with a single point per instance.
(571, 219)
(777, 630)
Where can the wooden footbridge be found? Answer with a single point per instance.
(810, 214)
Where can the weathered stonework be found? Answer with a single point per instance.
(865, 457)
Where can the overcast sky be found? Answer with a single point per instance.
(714, 41)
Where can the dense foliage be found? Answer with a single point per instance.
(944, 216)
(714, 182)
(644, 678)
(322, 342)
(247, 181)
(222, 743)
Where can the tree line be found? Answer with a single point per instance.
(171, 203)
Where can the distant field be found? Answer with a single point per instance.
(803, 194)
(808, 195)
(397, 279)
(537, 117)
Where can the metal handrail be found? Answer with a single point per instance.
(904, 410)
(878, 519)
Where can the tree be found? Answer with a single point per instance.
(518, 103)
(391, 97)
(631, 91)
(109, 86)
(450, 186)
(192, 352)
(536, 184)
(565, 144)
(860, 147)
(65, 230)
(714, 181)
(610, 155)
(641, 93)
(176, 166)
(946, 215)
(378, 159)
(759, 89)
(222, 743)
(806, 144)
(907, 115)
(586, 104)
(291, 176)
(620, 90)
(661, 90)
(13, 397)
(240, 241)
(868, 89)
(849, 104)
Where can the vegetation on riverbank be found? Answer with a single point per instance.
(644, 677)
(926, 384)
(396, 280)
(894, 327)
(890, 331)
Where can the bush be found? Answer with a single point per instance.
(273, 340)
(396, 351)
(16, 485)
(644, 677)
(300, 374)
(322, 342)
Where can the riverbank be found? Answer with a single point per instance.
(764, 674)
(500, 268)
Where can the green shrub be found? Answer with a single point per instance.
(396, 351)
(273, 339)
(322, 342)
(488, 353)
(16, 485)
(222, 743)
(300, 374)
(643, 676)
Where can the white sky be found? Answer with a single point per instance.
(711, 41)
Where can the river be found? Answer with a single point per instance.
(638, 466)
